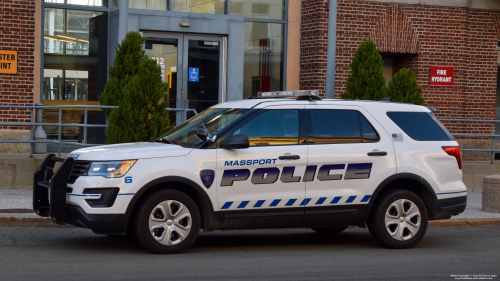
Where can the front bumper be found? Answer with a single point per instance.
(50, 191)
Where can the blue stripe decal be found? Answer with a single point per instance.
(227, 205)
(336, 200)
(46, 186)
(243, 204)
(451, 192)
(126, 194)
(320, 201)
(351, 198)
(290, 202)
(305, 201)
(259, 203)
(366, 198)
(85, 195)
(275, 203)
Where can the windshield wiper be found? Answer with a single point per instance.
(164, 141)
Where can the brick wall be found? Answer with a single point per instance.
(466, 39)
(17, 32)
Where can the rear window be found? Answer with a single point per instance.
(421, 126)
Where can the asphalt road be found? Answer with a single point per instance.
(290, 254)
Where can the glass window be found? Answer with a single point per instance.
(212, 120)
(270, 9)
(342, 126)
(368, 132)
(420, 126)
(263, 55)
(200, 6)
(97, 3)
(74, 42)
(274, 127)
(161, 5)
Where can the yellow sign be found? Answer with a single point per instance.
(8, 62)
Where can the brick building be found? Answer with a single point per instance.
(416, 35)
(65, 47)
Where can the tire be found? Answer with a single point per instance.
(395, 228)
(329, 230)
(167, 222)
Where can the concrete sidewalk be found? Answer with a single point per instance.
(16, 210)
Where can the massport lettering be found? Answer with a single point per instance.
(271, 174)
(250, 162)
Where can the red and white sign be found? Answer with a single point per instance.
(442, 75)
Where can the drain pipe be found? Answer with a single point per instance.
(39, 134)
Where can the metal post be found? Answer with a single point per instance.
(492, 141)
(31, 132)
(122, 20)
(85, 128)
(59, 134)
(331, 52)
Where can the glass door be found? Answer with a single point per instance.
(193, 68)
(202, 69)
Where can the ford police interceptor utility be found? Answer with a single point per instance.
(286, 159)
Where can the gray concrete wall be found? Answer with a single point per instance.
(6, 134)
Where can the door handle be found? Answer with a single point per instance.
(377, 153)
(289, 157)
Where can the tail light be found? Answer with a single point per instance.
(454, 151)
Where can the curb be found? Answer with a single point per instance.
(464, 222)
(32, 220)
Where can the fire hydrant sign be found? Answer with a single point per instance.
(442, 75)
(8, 62)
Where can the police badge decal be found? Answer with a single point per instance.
(207, 177)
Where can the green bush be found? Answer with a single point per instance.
(141, 115)
(366, 80)
(137, 88)
(404, 88)
(129, 56)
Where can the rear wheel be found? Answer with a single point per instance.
(168, 222)
(329, 230)
(398, 220)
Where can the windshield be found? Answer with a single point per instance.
(212, 120)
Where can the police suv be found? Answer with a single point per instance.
(285, 159)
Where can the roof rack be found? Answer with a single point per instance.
(298, 95)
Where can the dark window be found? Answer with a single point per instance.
(274, 127)
(341, 126)
(420, 126)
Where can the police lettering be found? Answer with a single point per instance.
(270, 175)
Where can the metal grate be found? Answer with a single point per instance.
(79, 169)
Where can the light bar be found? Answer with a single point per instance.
(288, 94)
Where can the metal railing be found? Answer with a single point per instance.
(492, 150)
(59, 141)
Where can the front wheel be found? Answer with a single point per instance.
(168, 222)
(398, 220)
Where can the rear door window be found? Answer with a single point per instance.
(341, 126)
(421, 126)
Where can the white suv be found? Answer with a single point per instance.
(269, 162)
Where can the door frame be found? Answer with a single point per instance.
(182, 58)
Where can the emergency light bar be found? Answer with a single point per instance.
(300, 95)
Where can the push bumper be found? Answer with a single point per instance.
(50, 191)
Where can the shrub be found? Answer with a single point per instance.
(404, 88)
(366, 80)
(141, 114)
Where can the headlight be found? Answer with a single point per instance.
(110, 169)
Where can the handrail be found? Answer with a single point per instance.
(492, 150)
(59, 125)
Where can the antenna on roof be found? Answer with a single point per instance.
(385, 99)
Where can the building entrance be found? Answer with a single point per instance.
(193, 67)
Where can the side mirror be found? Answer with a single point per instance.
(201, 134)
(236, 141)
